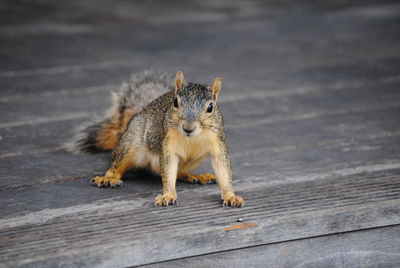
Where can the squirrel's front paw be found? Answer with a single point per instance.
(165, 199)
(232, 200)
(106, 182)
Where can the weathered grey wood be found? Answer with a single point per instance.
(273, 214)
(25, 170)
(288, 35)
(247, 161)
(276, 130)
(76, 103)
(370, 248)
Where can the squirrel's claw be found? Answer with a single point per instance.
(106, 182)
(233, 201)
(165, 200)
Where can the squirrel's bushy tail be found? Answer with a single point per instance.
(104, 133)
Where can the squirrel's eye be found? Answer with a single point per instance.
(176, 102)
(210, 108)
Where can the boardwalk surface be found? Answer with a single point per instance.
(311, 101)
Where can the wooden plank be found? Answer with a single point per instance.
(281, 213)
(53, 109)
(279, 135)
(73, 78)
(280, 34)
(373, 248)
(66, 193)
(286, 104)
(294, 131)
(283, 39)
(37, 138)
(76, 191)
(49, 167)
(254, 157)
(285, 77)
(346, 119)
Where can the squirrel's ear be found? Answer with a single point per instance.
(179, 81)
(216, 87)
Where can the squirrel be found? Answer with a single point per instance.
(168, 130)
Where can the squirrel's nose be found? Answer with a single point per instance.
(188, 128)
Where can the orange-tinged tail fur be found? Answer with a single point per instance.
(104, 134)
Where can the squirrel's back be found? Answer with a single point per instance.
(104, 133)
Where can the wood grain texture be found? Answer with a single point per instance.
(281, 213)
(356, 249)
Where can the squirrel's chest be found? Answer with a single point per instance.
(192, 151)
(192, 148)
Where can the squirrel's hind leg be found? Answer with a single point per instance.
(205, 178)
(123, 158)
(185, 175)
(106, 181)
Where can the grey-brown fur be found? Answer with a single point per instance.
(159, 113)
(137, 93)
(170, 136)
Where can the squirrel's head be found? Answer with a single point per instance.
(194, 105)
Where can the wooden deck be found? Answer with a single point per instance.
(311, 101)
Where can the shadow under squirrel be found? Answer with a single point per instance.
(168, 131)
